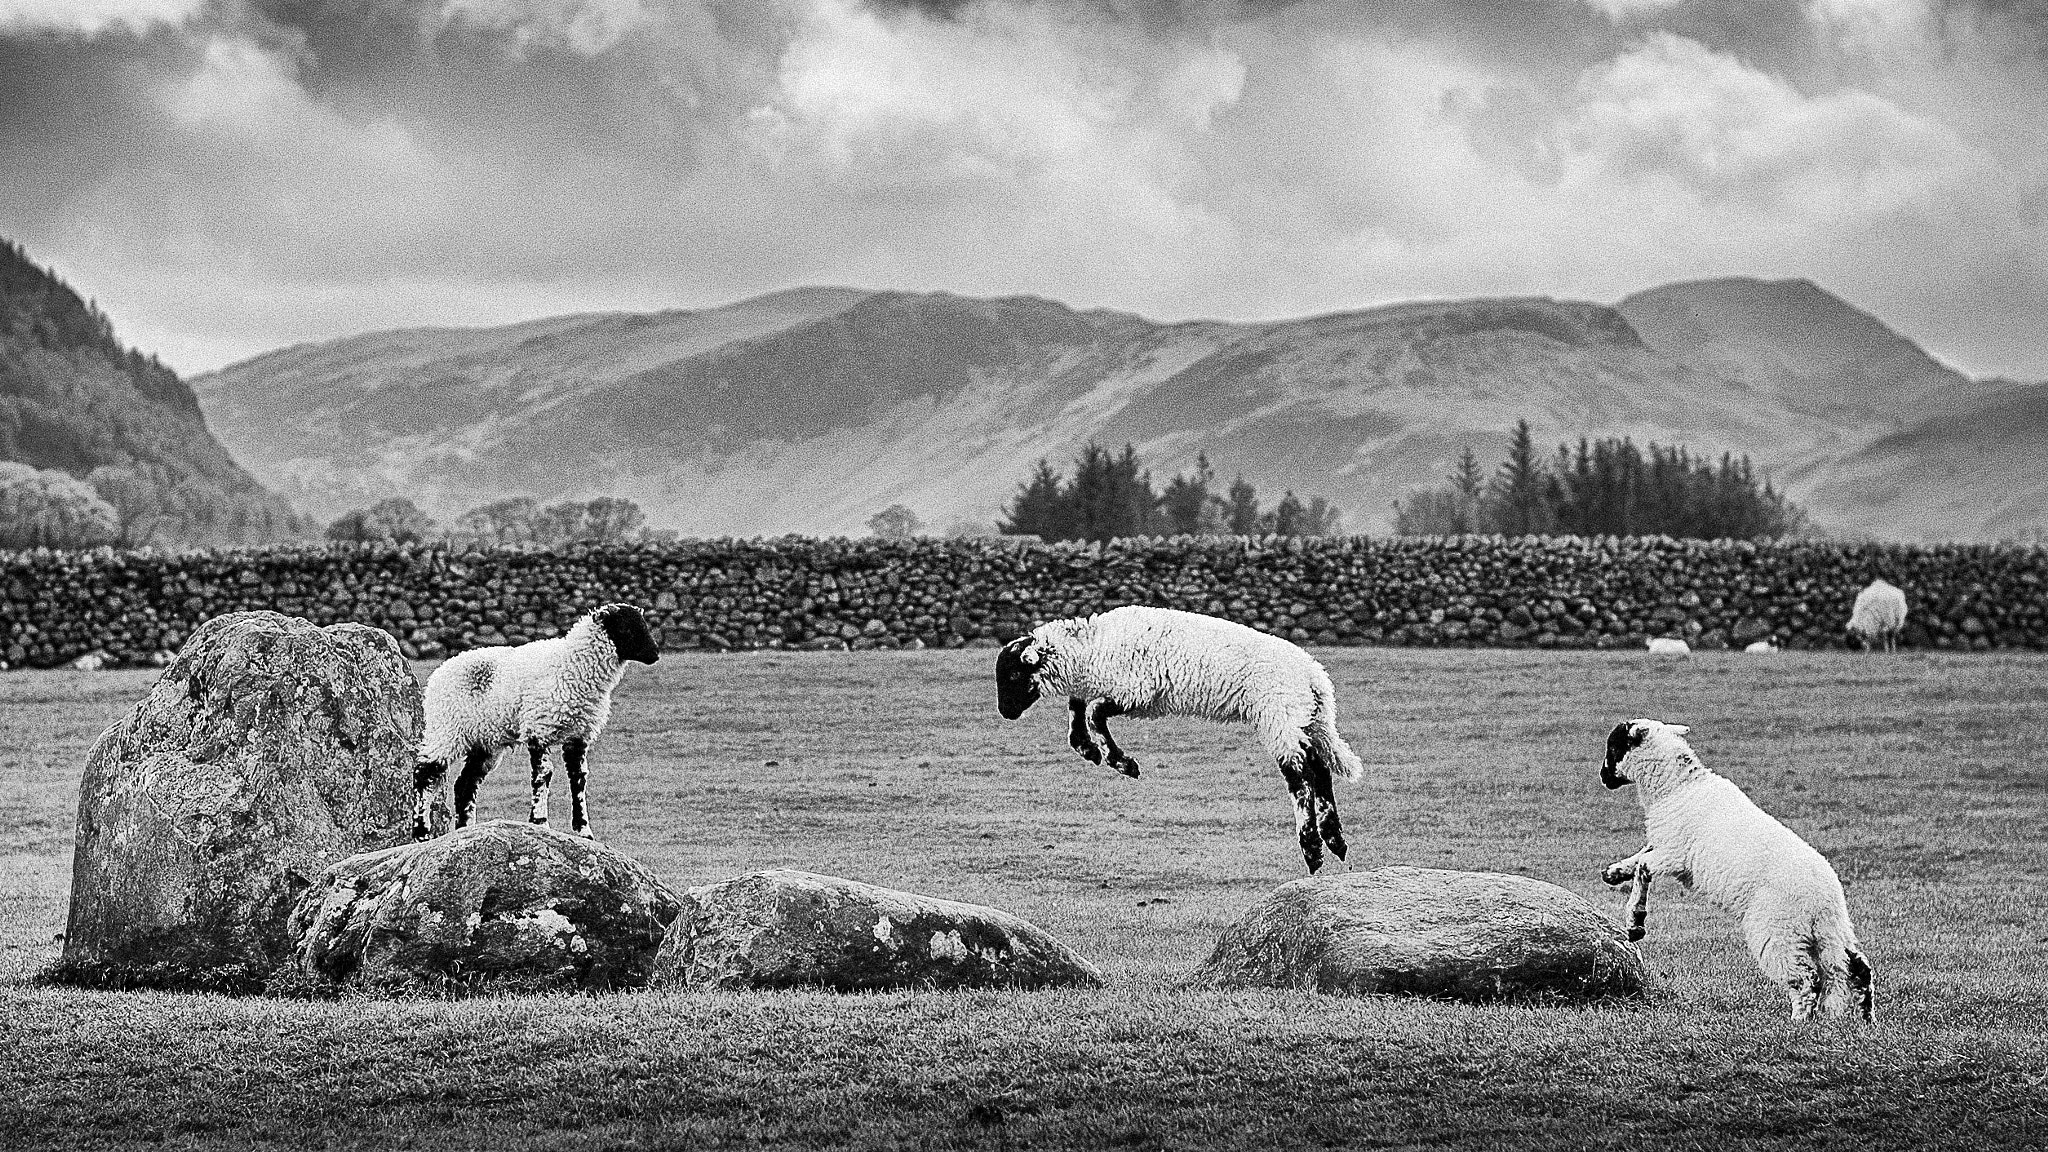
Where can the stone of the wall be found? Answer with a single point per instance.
(720, 595)
(267, 750)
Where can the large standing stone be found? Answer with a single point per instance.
(790, 929)
(503, 905)
(1424, 931)
(268, 749)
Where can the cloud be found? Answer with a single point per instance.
(237, 175)
(92, 17)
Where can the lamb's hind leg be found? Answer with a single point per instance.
(579, 807)
(1304, 815)
(1077, 730)
(1793, 966)
(1323, 787)
(1860, 980)
(1098, 721)
(543, 779)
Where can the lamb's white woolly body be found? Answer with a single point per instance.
(547, 690)
(1705, 831)
(543, 694)
(1879, 614)
(1159, 662)
(1142, 661)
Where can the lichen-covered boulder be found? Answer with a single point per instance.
(499, 906)
(268, 749)
(790, 929)
(1427, 932)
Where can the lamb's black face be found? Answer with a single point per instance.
(629, 632)
(1016, 664)
(1620, 743)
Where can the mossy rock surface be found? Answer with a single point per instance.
(792, 929)
(1474, 936)
(502, 906)
(268, 749)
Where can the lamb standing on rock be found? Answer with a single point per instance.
(1879, 614)
(1705, 831)
(542, 693)
(1145, 662)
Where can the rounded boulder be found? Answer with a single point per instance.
(268, 749)
(792, 929)
(1427, 932)
(498, 906)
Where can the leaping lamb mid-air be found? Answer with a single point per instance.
(1713, 838)
(1146, 662)
(542, 693)
(1879, 614)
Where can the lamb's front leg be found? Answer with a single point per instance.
(426, 782)
(1077, 731)
(1635, 872)
(543, 777)
(1098, 720)
(1638, 902)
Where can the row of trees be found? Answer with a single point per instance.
(1111, 495)
(515, 520)
(1603, 487)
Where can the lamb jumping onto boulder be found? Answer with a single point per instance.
(1147, 662)
(542, 693)
(1705, 831)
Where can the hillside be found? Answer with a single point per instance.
(805, 411)
(73, 400)
(1803, 345)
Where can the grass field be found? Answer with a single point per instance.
(1917, 775)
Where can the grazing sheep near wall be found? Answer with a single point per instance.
(1706, 832)
(542, 693)
(1669, 646)
(1879, 614)
(1145, 662)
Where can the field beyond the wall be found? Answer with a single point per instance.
(1918, 775)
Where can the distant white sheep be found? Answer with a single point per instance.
(1145, 662)
(1761, 647)
(1706, 832)
(542, 694)
(1879, 614)
(1669, 646)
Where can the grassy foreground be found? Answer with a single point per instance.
(1917, 775)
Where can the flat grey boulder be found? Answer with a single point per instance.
(504, 906)
(268, 749)
(791, 929)
(1427, 932)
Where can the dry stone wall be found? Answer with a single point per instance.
(801, 592)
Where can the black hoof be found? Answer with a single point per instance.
(540, 820)
(1315, 864)
(1336, 847)
(421, 832)
(1614, 879)
(1089, 752)
(1128, 768)
(1635, 934)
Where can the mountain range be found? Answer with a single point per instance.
(808, 410)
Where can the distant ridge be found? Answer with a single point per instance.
(808, 410)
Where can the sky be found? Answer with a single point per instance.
(229, 176)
